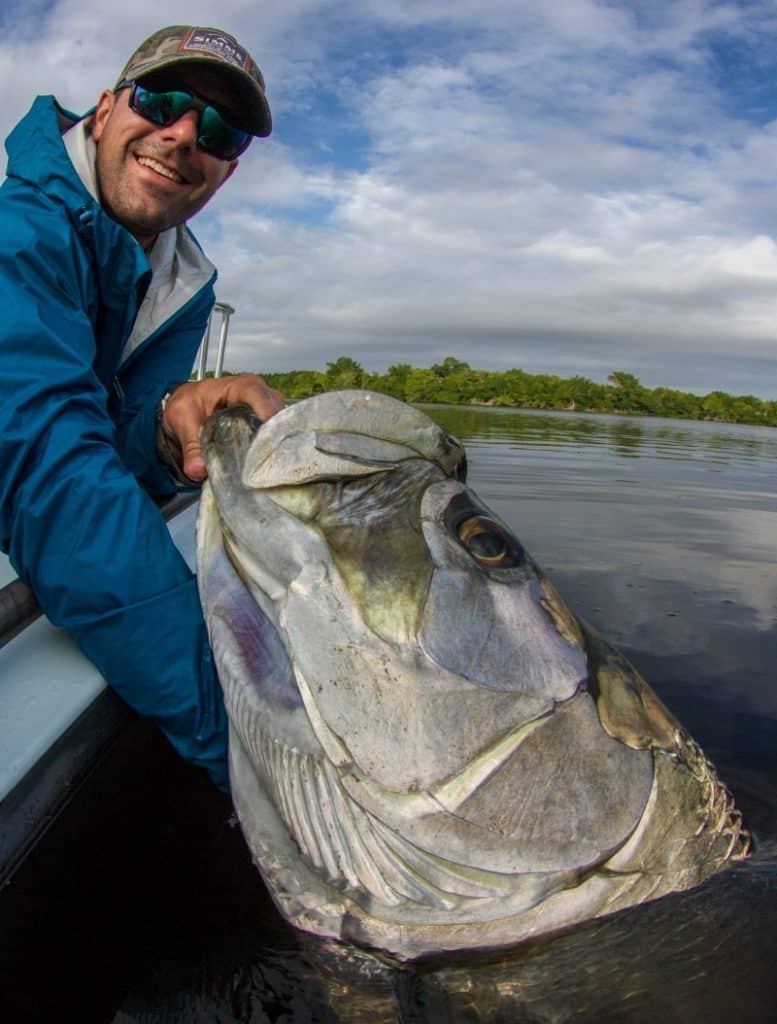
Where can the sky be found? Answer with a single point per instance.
(569, 187)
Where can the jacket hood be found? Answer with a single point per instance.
(37, 154)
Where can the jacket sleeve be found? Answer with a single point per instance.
(76, 524)
(137, 419)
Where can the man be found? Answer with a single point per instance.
(105, 296)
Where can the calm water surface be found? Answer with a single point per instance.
(663, 534)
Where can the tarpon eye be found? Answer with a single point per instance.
(489, 543)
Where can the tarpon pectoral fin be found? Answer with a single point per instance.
(628, 708)
(563, 619)
(691, 826)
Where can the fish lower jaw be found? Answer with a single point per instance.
(334, 869)
(330, 863)
(332, 905)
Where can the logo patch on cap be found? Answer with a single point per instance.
(217, 44)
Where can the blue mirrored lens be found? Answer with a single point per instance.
(215, 135)
(219, 137)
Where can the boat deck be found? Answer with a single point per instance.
(56, 715)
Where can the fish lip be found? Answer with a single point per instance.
(223, 420)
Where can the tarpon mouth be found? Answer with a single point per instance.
(234, 427)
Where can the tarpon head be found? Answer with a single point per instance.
(428, 750)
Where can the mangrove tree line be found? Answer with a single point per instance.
(455, 382)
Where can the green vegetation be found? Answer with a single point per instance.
(455, 382)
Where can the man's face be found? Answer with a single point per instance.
(152, 178)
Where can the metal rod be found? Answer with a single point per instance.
(205, 344)
(226, 311)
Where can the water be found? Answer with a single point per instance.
(663, 535)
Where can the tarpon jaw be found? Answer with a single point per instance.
(399, 856)
(359, 877)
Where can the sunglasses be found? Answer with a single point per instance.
(215, 135)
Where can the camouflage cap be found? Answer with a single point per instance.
(181, 44)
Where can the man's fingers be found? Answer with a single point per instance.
(184, 415)
(190, 404)
(193, 462)
(249, 389)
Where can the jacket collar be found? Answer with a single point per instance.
(50, 149)
(36, 153)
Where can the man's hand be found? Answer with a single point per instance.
(189, 405)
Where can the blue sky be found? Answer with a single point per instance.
(569, 187)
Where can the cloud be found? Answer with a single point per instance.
(573, 187)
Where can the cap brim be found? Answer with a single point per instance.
(253, 111)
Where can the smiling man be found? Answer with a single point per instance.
(105, 296)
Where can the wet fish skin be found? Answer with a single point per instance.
(429, 751)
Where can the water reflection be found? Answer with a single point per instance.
(633, 500)
(679, 440)
(664, 536)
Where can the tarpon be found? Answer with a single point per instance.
(428, 750)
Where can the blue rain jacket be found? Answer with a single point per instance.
(78, 442)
